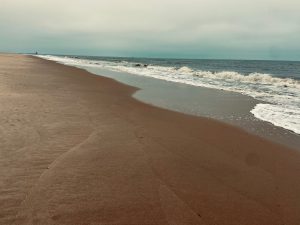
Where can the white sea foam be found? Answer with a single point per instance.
(282, 94)
(278, 115)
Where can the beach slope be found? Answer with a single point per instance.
(76, 148)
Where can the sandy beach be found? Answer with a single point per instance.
(76, 148)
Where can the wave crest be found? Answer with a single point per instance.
(251, 78)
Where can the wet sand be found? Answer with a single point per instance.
(76, 148)
(225, 106)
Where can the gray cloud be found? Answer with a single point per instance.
(170, 28)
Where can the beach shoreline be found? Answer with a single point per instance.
(195, 99)
(77, 148)
(224, 106)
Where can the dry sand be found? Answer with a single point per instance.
(76, 148)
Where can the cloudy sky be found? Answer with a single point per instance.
(238, 29)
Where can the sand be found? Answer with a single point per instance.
(76, 148)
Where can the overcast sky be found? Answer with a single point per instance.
(238, 29)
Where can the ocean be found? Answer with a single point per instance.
(274, 84)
